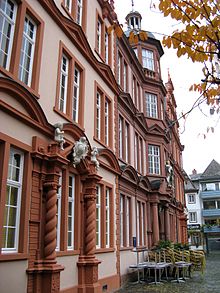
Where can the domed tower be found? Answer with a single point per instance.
(134, 20)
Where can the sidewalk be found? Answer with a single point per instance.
(208, 282)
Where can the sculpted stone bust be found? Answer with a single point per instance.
(59, 134)
(80, 150)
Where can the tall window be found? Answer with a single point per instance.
(192, 217)
(8, 10)
(63, 83)
(122, 220)
(106, 47)
(126, 141)
(136, 150)
(107, 217)
(138, 226)
(98, 216)
(191, 198)
(103, 118)
(119, 65)
(148, 59)
(151, 105)
(76, 94)
(120, 137)
(79, 9)
(153, 159)
(128, 221)
(106, 122)
(13, 202)
(98, 115)
(70, 230)
(99, 36)
(68, 5)
(125, 76)
(27, 51)
(59, 194)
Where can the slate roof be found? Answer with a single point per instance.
(213, 170)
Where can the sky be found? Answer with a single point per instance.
(199, 151)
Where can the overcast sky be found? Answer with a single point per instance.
(198, 151)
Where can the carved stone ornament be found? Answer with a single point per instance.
(94, 160)
(169, 173)
(80, 151)
(59, 134)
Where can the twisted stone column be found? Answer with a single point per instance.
(90, 233)
(50, 222)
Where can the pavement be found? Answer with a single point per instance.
(209, 281)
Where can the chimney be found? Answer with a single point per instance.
(194, 171)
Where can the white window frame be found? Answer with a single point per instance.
(64, 73)
(148, 59)
(106, 122)
(191, 198)
(126, 142)
(17, 184)
(138, 224)
(119, 67)
(122, 220)
(125, 71)
(76, 95)
(106, 47)
(107, 216)
(142, 223)
(136, 150)
(98, 216)
(98, 114)
(151, 105)
(154, 159)
(192, 217)
(59, 202)
(71, 199)
(140, 145)
(26, 39)
(99, 36)
(128, 214)
(6, 19)
(68, 4)
(120, 135)
(79, 11)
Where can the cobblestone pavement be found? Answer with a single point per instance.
(199, 283)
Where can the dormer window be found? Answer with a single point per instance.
(148, 59)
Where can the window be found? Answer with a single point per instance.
(63, 83)
(20, 52)
(99, 36)
(191, 198)
(209, 204)
(8, 11)
(125, 221)
(103, 130)
(148, 59)
(27, 51)
(192, 217)
(151, 105)
(136, 52)
(136, 154)
(77, 10)
(134, 90)
(119, 68)
(125, 77)
(106, 47)
(124, 139)
(11, 221)
(70, 97)
(98, 216)
(104, 213)
(153, 159)
(70, 230)
(59, 201)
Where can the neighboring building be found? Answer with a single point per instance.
(206, 210)
(70, 88)
(193, 205)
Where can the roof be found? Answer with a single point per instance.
(213, 170)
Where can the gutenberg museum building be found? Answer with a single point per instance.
(90, 155)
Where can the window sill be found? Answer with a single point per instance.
(8, 74)
(122, 248)
(13, 256)
(65, 116)
(104, 250)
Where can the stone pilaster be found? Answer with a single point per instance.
(155, 227)
(167, 222)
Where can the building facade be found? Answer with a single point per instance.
(204, 204)
(89, 147)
